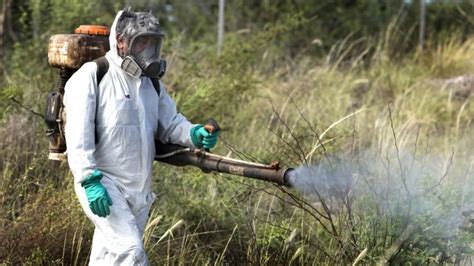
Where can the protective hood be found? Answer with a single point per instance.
(112, 54)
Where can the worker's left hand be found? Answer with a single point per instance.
(202, 138)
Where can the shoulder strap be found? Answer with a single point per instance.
(102, 68)
(156, 84)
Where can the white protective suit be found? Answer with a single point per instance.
(126, 114)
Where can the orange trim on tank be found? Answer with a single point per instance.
(92, 30)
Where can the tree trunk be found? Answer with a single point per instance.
(422, 25)
(8, 23)
(2, 46)
(220, 27)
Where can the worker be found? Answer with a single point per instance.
(110, 132)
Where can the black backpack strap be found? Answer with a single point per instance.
(156, 84)
(102, 68)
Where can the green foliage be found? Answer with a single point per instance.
(6, 96)
(291, 76)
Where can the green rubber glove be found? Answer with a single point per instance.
(202, 138)
(99, 200)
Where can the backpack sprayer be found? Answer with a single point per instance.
(69, 52)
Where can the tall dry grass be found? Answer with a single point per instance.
(364, 114)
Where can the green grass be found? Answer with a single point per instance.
(272, 107)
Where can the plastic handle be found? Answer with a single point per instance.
(211, 125)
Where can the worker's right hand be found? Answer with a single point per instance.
(99, 200)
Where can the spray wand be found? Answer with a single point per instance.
(208, 162)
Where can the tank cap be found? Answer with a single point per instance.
(92, 30)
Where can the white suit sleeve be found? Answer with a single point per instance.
(80, 102)
(173, 127)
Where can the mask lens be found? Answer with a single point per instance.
(147, 44)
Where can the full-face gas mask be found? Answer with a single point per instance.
(143, 57)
